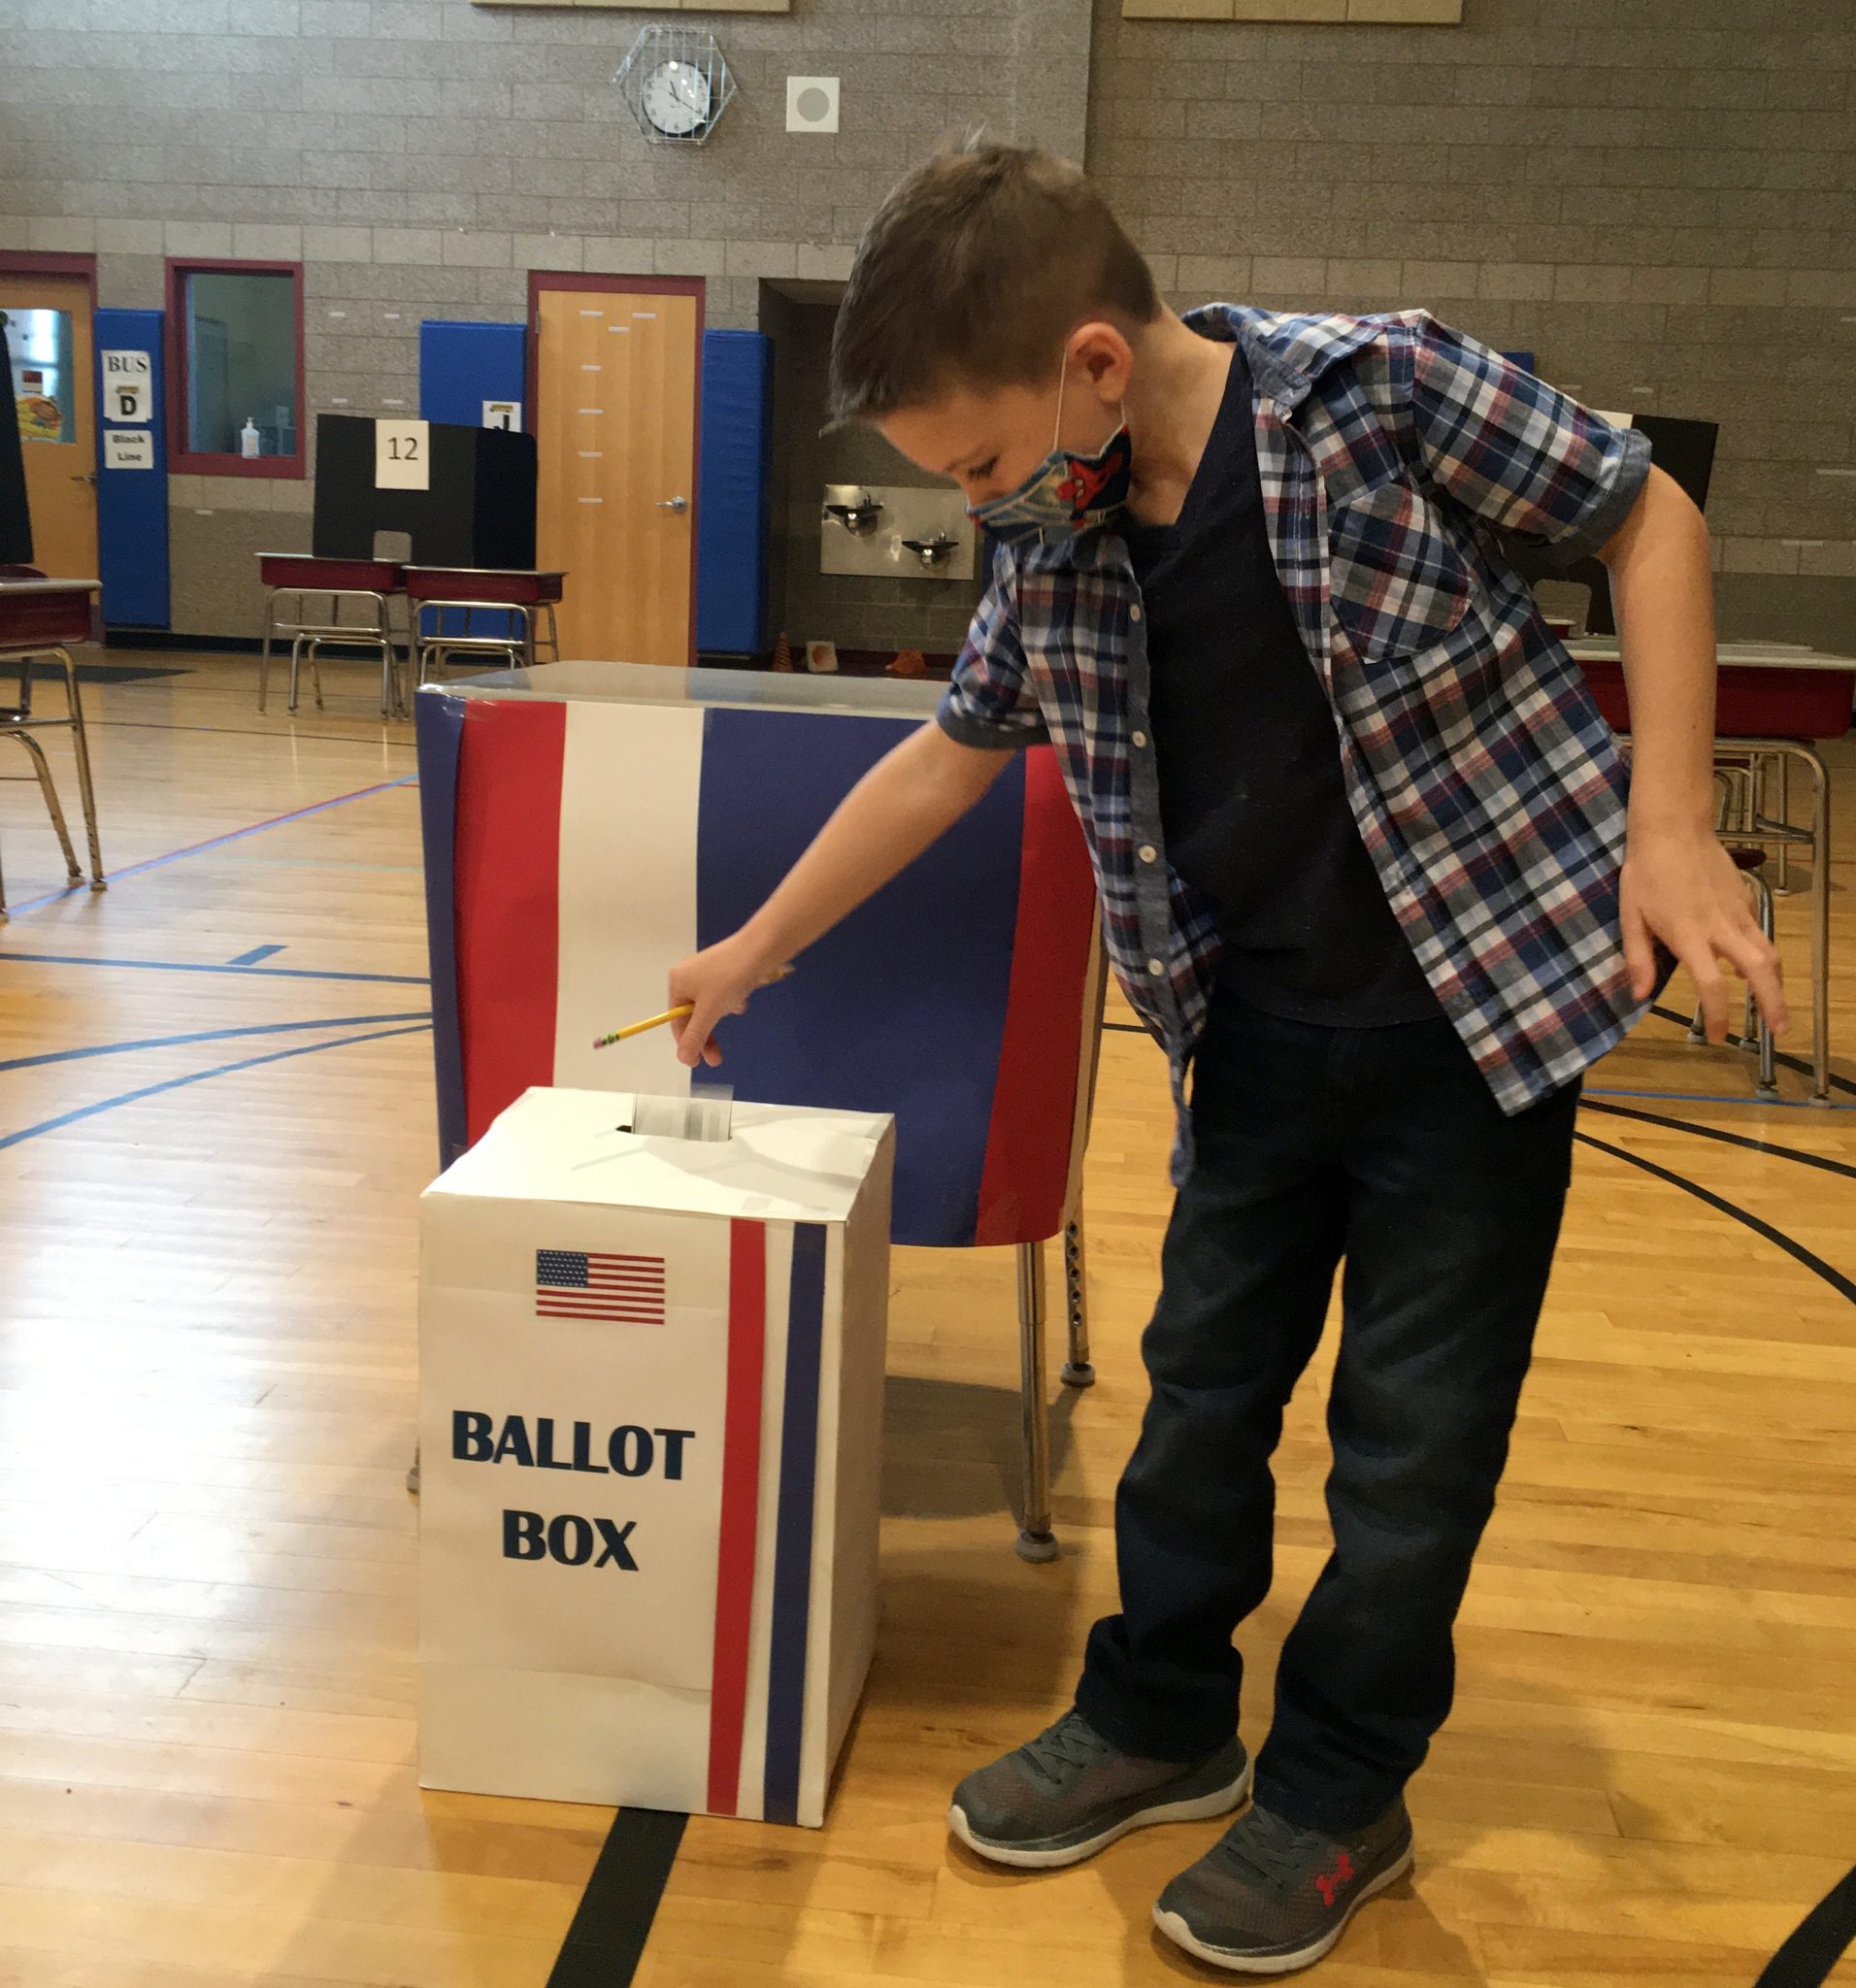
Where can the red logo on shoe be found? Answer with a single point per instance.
(1340, 1871)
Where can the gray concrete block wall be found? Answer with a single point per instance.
(856, 610)
(422, 156)
(1656, 197)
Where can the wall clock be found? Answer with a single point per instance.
(676, 82)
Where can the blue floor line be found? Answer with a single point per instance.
(251, 958)
(187, 966)
(217, 841)
(175, 1083)
(261, 1028)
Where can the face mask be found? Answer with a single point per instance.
(1065, 494)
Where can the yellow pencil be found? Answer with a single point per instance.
(657, 1021)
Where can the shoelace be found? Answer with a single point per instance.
(1068, 1743)
(1270, 1848)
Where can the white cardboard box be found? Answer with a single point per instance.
(651, 1387)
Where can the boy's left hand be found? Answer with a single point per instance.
(1681, 886)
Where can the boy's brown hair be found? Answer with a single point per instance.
(975, 270)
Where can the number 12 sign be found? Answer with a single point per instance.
(402, 456)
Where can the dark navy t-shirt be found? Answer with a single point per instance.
(1253, 798)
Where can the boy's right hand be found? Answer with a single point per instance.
(717, 981)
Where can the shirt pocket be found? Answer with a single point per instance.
(1396, 584)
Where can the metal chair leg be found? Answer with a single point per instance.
(1036, 1541)
(72, 873)
(1077, 1372)
(1820, 922)
(1783, 885)
(80, 751)
(264, 651)
(1756, 1030)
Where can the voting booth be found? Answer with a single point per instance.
(650, 1376)
(465, 497)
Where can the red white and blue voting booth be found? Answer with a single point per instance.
(650, 1381)
(588, 825)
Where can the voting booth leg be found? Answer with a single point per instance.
(1036, 1541)
(1076, 1369)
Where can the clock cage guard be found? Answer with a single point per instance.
(655, 47)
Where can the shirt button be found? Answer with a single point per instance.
(1134, 613)
(1157, 968)
(1148, 853)
(1137, 738)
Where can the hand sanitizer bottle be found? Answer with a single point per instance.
(248, 437)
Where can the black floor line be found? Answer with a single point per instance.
(1814, 1263)
(603, 1945)
(1733, 1042)
(1740, 1138)
(1824, 1935)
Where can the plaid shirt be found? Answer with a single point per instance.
(1487, 789)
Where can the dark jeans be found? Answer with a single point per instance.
(1382, 1145)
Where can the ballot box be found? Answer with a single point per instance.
(650, 1410)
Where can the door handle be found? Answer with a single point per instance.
(673, 504)
(79, 479)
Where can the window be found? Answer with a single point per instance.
(43, 375)
(235, 368)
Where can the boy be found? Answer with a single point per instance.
(1361, 841)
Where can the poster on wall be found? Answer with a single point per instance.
(41, 417)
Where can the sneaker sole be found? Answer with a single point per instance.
(1182, 1934)
(1201, 1808)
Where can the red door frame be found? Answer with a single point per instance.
(64, 263)
(540, 280)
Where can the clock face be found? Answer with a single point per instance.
(677, 98)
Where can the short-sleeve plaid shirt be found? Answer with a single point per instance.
(1396, 456)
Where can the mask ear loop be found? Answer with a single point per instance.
(1056, 433)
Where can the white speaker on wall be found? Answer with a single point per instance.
(812, 103)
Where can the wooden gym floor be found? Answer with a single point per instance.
(214, 1116)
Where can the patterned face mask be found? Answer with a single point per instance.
(1065, 494)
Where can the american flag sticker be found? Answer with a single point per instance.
(584, 1283)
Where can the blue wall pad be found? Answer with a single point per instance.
(462, 365)
(132, 503)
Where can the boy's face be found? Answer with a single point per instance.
(988, 440)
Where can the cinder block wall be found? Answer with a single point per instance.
(1656, 197)
(422, 156)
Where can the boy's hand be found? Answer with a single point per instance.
(717, 981)
(1680, 886)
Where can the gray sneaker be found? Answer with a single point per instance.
(1067, 1794)
(1270, 1897)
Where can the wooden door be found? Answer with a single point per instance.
(53, 391)
(615, 374)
